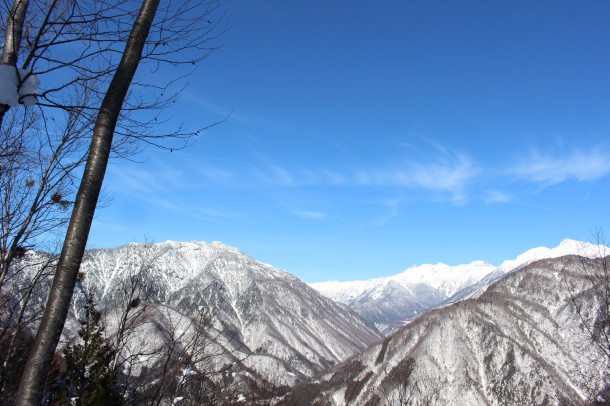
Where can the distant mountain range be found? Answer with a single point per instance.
(466, 334)
(520, 342)
(390, 302)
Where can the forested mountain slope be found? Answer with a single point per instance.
(265, 319)
(521, 342)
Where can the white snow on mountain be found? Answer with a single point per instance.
(522, 342)
(280, 324)
(276, 326)
(566, 247)
(392, 301)
(267, 321)
(446, 279)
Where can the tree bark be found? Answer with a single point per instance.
(12, 40)
(14, 32)
(33, 381)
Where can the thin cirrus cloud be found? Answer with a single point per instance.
(215, 173)
(157, 187)
(447, 174)
(550, 170)
(315, 215)
(137, 181)
(498, 196)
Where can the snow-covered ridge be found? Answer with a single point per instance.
(175, 264)
(451, 279)
(520, 343)
(391, 301)
(447, 279)
(272, 316)
(566, 247)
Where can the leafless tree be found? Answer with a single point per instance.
(130, 313)
(419, 392)
(268, 389)
(403, 387)
(587, 279)
(20, 306)
(39, 360)
(193, 364)
(159, 354)
(74, 48)
(402, 395)
(36, 182)
(108, 115)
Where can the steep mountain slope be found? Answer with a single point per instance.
(276, 325)
(390, 302)
(520, 343)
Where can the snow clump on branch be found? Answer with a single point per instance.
(17, 86)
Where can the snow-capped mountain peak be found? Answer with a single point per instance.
(389, 302)
(269, 312)
(448, 279)
(566, 247)
(522, 342)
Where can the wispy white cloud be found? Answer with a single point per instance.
(550, 170)
(215, 173)
(217, 215)
(333, 177)
(270, 173)
(393, 206)
(276, 175)
(450, 174)
(315, 215)
(442, 172)
(136, 181)
(156, 185)
(164, 187)
(498, 196)
(319, 176)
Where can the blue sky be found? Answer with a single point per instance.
(366, 137)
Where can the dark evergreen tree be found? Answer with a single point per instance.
(89, 378)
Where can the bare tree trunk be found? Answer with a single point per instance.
(14, 31)
(33, 380)
(12, 40)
